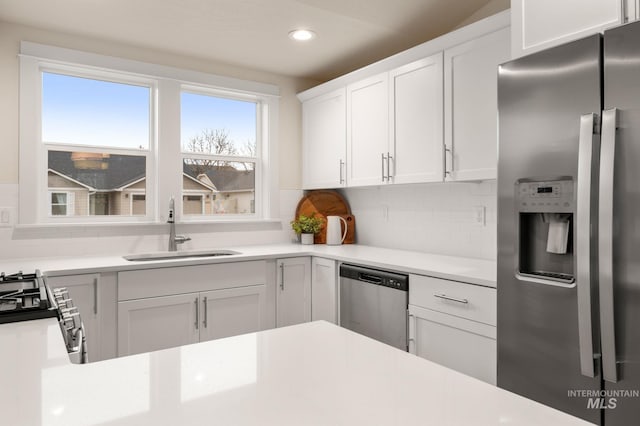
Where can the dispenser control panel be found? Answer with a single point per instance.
(553, 196)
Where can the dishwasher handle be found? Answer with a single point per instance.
(368, 278)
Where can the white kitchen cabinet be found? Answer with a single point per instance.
(454, 324)
(232, 311)
(165, 307)
(324, 141)
(324, 290)
(368, 131)
(471, 106)
(95, 297)
(416, 130)
(293, 299)
(156, 323)
(540, 24)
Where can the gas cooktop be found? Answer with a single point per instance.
(24, 297)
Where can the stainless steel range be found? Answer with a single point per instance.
(26, 297)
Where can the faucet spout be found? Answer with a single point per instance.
(174, 239)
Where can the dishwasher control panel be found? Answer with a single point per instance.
(376, 277)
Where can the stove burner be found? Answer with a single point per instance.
(24, 297)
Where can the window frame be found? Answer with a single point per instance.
(67, 195)
(165, 150)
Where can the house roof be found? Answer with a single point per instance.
(116, 172)
(224, 178)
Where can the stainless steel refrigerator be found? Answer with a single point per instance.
(569, 227)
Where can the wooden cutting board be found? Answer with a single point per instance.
(325, 203)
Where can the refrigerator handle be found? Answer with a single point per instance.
(586, 145)
(605, 245)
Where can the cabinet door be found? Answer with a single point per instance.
(324, 286)
(416, 132)
(368, 131)
(155, 323)
(540, 24)
(293, 300)
(471, 106)
(232, 311)
(462, 345)
(84, 290)
(324, 141)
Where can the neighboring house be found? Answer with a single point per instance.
(82, 184)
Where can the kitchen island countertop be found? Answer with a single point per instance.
(309, 374)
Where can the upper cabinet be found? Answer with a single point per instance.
(471, 106)
(368, 131)
(324, 140)
(540, 24)
(416, 132)
(396, 119)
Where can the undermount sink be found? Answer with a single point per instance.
(177, 255)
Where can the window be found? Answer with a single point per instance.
(100, 137)
(60, 203)
(216, 132)
(87, 124)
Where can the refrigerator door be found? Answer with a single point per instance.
(542, 99)
(622, 92)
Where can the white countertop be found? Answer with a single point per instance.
(475, 271)
(309, 374)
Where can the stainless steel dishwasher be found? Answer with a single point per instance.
(374, 303)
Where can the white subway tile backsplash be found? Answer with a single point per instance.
(434, 218)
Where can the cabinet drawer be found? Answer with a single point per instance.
(469, 301)
(189, 279)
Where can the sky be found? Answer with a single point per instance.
(98, 113)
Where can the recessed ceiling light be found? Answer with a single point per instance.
(302, 35)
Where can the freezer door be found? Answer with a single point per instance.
(622, 92)
(542, 99)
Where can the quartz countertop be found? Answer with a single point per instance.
(309, 374)
(474, 271)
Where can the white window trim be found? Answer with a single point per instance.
(169, 81)
(68, 197)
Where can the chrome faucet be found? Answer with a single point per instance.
(174, 239)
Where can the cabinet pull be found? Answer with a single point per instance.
(341, 175)
(389, 157)
(204, 303)
(282, 276)
(453, 299)
(382, 164)
(448, 152)
(197, 313)
(95, 295)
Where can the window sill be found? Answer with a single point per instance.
(87, 230)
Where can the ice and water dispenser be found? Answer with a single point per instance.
(545, 210)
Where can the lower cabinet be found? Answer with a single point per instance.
(166, 307)
(161, 322)
(324, 290)
(95, 297)
(453, 324)
(293, 291)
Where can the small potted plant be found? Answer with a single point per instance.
(307, 227)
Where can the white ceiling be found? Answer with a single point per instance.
(253, 33)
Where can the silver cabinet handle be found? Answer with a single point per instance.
(341, 173)
(453, 299)
(382, 163)
(95, 294)
(204, 304)
(411, 341)
(197, 313)
(586, 155)
(282, 276)
(448, 152)
(605, 244)
(389, 157)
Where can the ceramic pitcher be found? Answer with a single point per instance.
(335, 236)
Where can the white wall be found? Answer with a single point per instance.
(433, 218)
(491, 8)
(23, 242)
